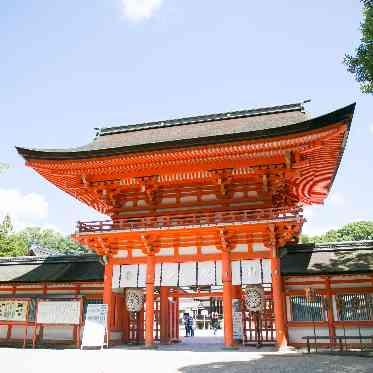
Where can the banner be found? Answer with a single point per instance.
(13, 310)
(237, 319)
(95, 326)
(58, 312)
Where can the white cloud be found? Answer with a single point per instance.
(24, 209)
(138, 10)
(371, 128)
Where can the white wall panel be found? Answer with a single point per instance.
(236, 273)
(206, 273)
(251, 272)
(169, 274)
(187, 275)
(267, 272)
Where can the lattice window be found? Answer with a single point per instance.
(353, 307)
(306, 310)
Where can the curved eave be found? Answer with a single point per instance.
(342, 115)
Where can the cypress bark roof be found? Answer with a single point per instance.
(302, 259)
(327, 258)
(199, 130)
(64, 268)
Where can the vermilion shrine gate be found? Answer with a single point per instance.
(203, 203)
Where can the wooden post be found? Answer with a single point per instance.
(164, 316)
(126, 322)
(107, 296)
(227, 298)
(278, 301)
(329, 311)
(140, 326)
(150, 270)
(176, 300)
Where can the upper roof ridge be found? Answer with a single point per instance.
(299, 106)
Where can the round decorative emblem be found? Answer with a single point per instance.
(134, 300)
(254, 297)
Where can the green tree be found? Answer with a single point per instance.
(19, 243)
(50, 239)
(361, 64)
(10, 243)
(357, 231)
(3, 167)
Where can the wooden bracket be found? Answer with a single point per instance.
(224, 240)
(147, 247)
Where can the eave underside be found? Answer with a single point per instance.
(190, 243)
(283, 171)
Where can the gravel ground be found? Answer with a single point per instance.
(181, 358)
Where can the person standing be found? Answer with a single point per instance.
(191, 326)
(186, 324)
(215, 321)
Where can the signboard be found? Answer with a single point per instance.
(13, 310)
(95, 326)
(237, 319)
(58, 312)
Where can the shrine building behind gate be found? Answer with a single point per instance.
(200, 204)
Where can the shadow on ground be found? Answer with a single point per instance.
(287, 364)
(199, 348)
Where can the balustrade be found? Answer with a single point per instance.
(188, 219)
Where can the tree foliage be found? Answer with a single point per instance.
(3, 167)
(357, 231)
(10, 243)
(19, 243)
(361, 64)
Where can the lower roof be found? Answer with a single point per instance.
(302, 259)
(327, 258)
(64, 268)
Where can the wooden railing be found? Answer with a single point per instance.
(188, 219)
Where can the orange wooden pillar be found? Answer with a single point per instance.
(149, 322)
(108, 292)
(278, 301)
(176, 300)
(164, 316)
(227, 298)
(329, 310)
(126, 321)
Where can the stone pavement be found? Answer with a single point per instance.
(179, 358)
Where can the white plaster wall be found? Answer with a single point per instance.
(259, 246)
(168, 200)
(3, 331)
(188, 250)
(352, 285)
(137, 253)
(240, 248)
(58, 333)
(121, 254)
(354, 332)
(209, 250)
(18, 332)
(115, 336)
(165, 251)
(296, 334)
(188, 199)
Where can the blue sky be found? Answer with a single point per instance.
(70, 66)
